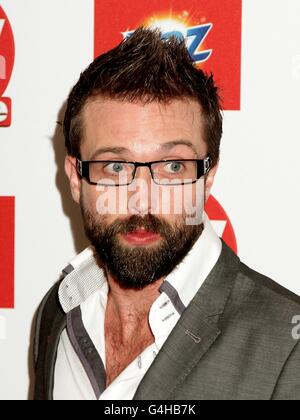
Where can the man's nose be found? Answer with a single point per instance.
(141, 200)
(143, 172)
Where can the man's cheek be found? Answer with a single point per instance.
(185, 200)
(168, 200)
(171, 200)
(88, 199)
(194, 199)
(111, 200)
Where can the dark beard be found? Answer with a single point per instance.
(137, 267)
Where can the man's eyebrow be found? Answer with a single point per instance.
(168, 145)
(174, 143)
(109, 149)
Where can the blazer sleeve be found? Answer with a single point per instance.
(288, 385)
(47, 312)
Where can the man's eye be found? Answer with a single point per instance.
(114, 167)
(174, 167)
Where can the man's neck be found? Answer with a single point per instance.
(131, 306)
(127, 329)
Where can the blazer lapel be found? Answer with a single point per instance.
(194, 334)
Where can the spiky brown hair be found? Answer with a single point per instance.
(146, 67)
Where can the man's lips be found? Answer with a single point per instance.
(141, 236)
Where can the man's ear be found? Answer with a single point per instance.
(210, 180)
(74, 177)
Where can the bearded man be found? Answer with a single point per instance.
(158, 307)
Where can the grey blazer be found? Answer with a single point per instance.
(233, 342)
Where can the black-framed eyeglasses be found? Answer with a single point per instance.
(163, 172)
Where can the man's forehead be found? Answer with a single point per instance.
(120, 108)
(143, 128)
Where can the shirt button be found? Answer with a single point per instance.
(140, 362)
(83, 340)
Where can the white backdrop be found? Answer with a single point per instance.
(257, 183)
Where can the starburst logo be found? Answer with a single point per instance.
(182, 27)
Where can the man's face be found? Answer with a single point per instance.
(140, 232)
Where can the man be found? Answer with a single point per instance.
(158, 307)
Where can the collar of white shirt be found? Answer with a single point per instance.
(85, 285)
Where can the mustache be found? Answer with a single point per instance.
(149, 222)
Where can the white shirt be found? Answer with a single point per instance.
(85, 287)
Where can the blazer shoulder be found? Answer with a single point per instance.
(264, 312)
(266, 286)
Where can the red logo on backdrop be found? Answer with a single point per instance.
(212, 32)
(7, 55)
(221, 222)
(7, 247)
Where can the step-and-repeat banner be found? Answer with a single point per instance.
(253, 50)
